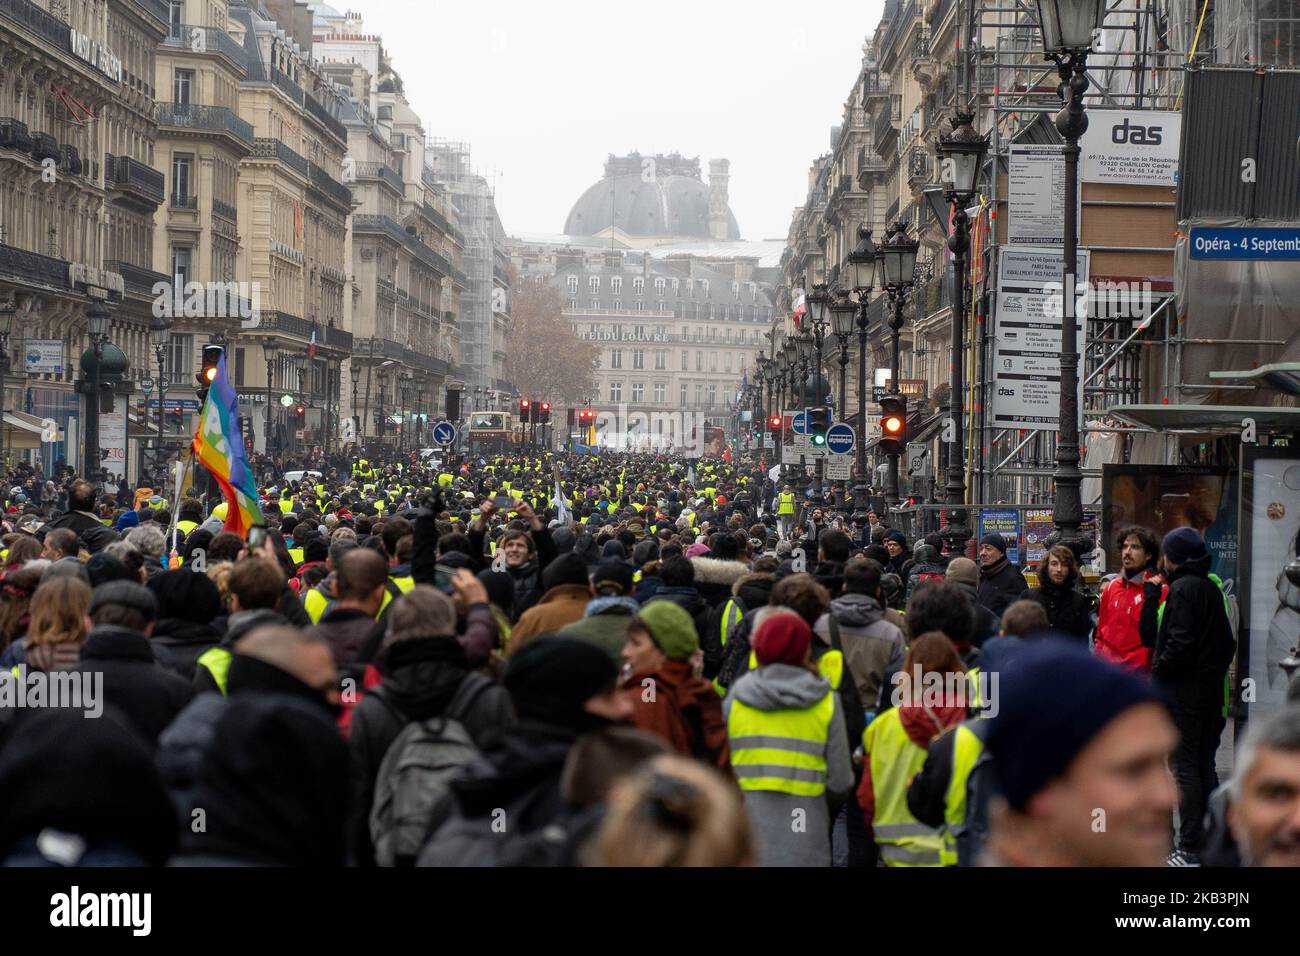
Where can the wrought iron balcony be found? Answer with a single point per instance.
(883, 132)
(329, 186)
(274, 149)
(14, 134)
(32, 19)
(285, 85)
(321, 115)
(215, 119)
(183, 202)
(32, 267)
(131, 175)
(137, 278)
(206, 40)
(380, 171)
(44, 146)
(225, 210)
(437, 218)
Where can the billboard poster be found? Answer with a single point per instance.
(1164, 497)
(112, 441)
(1270, 509)
(1006, 522)
(1036, 528)
(43, 356)
(1138, 147)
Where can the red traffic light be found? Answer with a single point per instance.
(775, 422)
(546, 406)
(891, 425)
(525, 403)
(210, 374)
(299, 409)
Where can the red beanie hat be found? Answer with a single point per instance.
(782, 639)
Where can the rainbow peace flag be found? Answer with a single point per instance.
(219, 445)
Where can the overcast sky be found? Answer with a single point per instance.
(544, 91)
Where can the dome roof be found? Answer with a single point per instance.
(649, 196)
(113, 362)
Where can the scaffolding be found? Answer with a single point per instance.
(472, 196)
(1139, 62)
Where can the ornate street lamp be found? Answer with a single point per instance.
(843, 311)
(898, 262)
(354, 372)
(269, 349)
(160, 336)
(864, 262)
(6, 327)
(1068, 28)
(98, 321)
(961, 156)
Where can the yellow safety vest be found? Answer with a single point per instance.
(286, 506)
(396, 588)
(966, 751)
(785, 503)
(296, 554)
(316, 604)
(895, 759)
(781, 750)
(728, 621)
(217, 661)
(185, 526)
(830, 665)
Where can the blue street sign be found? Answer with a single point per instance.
(444, 433)
(188, 403)
(1268, 244)
(840, 438)
(797, 423)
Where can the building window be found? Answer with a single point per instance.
(638, 392)
(638, 358)
(663, 305)
(660, 393)
(175, 15)
(638, 285)
(182, 264)
(182, 87)
(677, 286)
(661, 359)
(595, 305)
(713, 361)
(573, 285)
(686, 359)
(616, 285)
(699, 395)
(659, 287)
(618, 305)
(713, 395)
(616, 391)
(704, 288)
(690, 291)
(735, 290)
(727, 363)
(640, 305)
(699, 361)
(573, 305)
(616, 358)
(683, 397)
(182, 185)
(593, 285)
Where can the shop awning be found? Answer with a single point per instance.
(22, 430)
(1283, 376)
(1208, 419)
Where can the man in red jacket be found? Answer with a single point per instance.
(1118, 638)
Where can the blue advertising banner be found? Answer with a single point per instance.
(1270, 245)
(1005, 522)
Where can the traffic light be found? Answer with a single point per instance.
(544, 413)
(774, 423)
(525, 406)
(207, 373)
(893, 424)
(819, 420)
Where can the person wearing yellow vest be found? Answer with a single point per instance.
(929, 695)
(785, 510)
(256, 585)
(789, 751)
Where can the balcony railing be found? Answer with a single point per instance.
(14, 134)
(137, 278)
(215, 119)
(155, 8)
(274, 149)
(285, 85)
(329, 186)
(205, 40)
(35, 20)
(183, 202)
(321, 115)
(337, 338)
(883, 131)
(380, 171)
(918, 164)
(33, 267)
(225, 210)
(441, 221)
(44, 146)
(126, 173)
(389, 227)
(902, 20)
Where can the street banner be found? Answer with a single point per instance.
(41, 356)
(112, 441)
(1006, 522)
(1137, 147)
(1037, 526)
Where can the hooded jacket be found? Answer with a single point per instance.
(178, 644)
(1069, 611)
(714, 578)
(872, 645)
(683, 709)
(1192, 643)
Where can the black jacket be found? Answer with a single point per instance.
(751, 592)
(1192, 642)
(237, 625)
(1069, 611)
(987, 624)
(134, 683)
(178, 644)
(1000, 585)
(418, 684)
(690, 601)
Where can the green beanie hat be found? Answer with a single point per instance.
(671, 628)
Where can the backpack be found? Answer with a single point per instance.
(415, 771)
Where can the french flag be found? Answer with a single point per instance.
(311, 346)
(800, 307)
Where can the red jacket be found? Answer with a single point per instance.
(1118, 638)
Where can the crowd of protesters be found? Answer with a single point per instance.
(606, 660)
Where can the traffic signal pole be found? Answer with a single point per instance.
(895, 326)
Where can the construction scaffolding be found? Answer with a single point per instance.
(472, 196)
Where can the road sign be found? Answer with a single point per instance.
(918, 460)
(192, 403)
(49, 430)
(840, 438)
(798, 423)
(349, 429)
(839, 467)
(444, 433)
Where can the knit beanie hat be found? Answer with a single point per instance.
(1184, 544)
(1055, 698)
(963, 571)
(897, 536)
(671, 628)
(782, 639)
(995, 540)
(566, 569)
(550, 678)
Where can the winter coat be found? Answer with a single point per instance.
(1069, 610)
(518, 772)
(987, 624)
(1192, 641)
(919, 568)
(346, 630)
(147, 694)
(872, 646)
(237, 625)
(178, 644)
(1001, 583)
(605, 622)
(562, 604)
(418, 686)
(681, 708)
(77, 521)
(778, 687)
(690, 601)
(752, 590)
(649, 584)
(714, 578)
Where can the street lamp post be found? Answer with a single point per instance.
(6, 327)
(269, 349)
(803, 355)
(354, 370)
(818, 305)
(97, 321)
(961, 155)
(160, 336)
(898, 257)
(862, 261)
(1068, 28)
(842, 312)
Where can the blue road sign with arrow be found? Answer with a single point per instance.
(444, 433)
(840, 438)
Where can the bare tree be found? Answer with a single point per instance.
(544, 358)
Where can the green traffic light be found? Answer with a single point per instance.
(819, 439)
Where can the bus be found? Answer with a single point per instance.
(492, 431)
